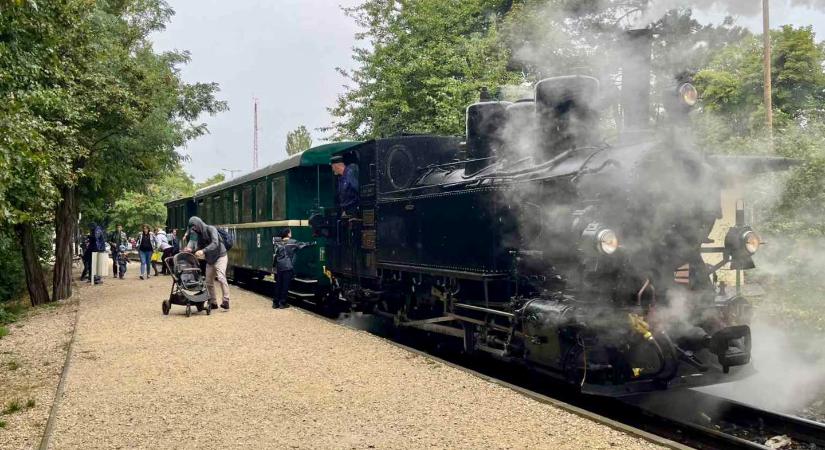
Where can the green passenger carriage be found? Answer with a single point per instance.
(255, 206)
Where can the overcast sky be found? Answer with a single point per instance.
(284, 52)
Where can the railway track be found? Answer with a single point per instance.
(675, 419)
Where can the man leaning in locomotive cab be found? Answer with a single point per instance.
(348, 196)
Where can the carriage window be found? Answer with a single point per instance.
(278, 199)
(217, 211)
(246, 204)
(260, 200)
(236, 209)
(201, 209)
(227, 208)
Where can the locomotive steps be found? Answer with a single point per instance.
(257, 378)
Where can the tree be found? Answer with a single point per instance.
(89, 111)
(138, 111)
(427, 60)
(298, 140)
(733, 117)
(214, 179)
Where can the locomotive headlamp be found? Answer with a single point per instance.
(608, 242)
(751, 241)
(688, 95)
(598, 240)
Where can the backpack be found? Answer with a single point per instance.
(228, 240)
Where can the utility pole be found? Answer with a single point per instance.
(766, 37)
(255, 137)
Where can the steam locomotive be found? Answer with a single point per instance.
(536, 242)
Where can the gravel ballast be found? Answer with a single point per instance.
(254, 377)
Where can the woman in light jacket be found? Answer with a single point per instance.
(164, 246)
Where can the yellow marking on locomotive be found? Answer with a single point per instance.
(271, 223)
(640, 326)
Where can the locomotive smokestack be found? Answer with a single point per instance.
(635, 95)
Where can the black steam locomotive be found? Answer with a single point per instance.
(538, 243)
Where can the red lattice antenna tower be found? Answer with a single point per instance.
(255, 137)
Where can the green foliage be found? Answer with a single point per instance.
(12, 278)
(214, 179)
(298, 140)
(12, 407)
(88, 111)
(733, 118)
(3, 331)
(426, 62)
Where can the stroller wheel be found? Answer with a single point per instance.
(199, 306)
(165, 306)
(188, 310)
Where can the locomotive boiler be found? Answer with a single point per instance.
(535, 241)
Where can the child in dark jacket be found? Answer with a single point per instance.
(122, 261)
(286, 249)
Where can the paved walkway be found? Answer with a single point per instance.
(255, 377)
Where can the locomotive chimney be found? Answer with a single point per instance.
(635, 95)
(485, 123)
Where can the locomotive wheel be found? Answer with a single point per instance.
(573, 364)
(165, 307)
(188, 310)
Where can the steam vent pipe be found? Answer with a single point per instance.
(485, 125)
(635, 96)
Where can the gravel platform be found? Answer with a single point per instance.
(31, 360)
(254, 377)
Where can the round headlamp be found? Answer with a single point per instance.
(751, 241)
(607, 241)
(688, 94)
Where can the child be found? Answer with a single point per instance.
(284, 260)
(122, 260)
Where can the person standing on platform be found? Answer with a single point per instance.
(117, 239)
(173, 240)
(97, 250)
(145, 246)
(205, 242)
(286, 249)
(165, 248)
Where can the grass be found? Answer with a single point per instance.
(12, 407)
(2, 424)
(30, 403)
(13, 365)
(3, 331)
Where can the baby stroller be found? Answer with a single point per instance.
(188, 285)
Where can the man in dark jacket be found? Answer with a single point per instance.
(96, 250)
(348, 196)
(286, 249)
(210, 246)
(117, 239)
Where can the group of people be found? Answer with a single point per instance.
(207, 244)
(117, 244)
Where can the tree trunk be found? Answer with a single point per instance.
(64, 228)
(35, 279)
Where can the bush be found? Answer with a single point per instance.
(12, 277)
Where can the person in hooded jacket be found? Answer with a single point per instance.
(210, 246)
